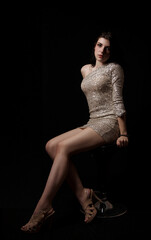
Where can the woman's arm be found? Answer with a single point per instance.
(119, 108)
(122, 141)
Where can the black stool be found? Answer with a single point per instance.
(111, 165)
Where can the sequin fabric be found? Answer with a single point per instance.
(103, 90)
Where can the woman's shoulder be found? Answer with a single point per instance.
(116, 71)
(86, 69)
(115, 66)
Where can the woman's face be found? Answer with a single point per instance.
(102, 50)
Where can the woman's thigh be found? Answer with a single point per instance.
(52, 144)
(66, 135)
(81, 140)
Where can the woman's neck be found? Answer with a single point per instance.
(98, 64)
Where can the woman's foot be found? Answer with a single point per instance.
(87, 205)
(37, 220)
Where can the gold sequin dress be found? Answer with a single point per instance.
(103, 90)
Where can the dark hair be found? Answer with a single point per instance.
(108, 36)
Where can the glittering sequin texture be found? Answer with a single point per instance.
(103, 90)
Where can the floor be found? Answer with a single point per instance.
(68, 224)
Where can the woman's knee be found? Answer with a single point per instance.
(53, 148)
(50, 148)
(62, 148)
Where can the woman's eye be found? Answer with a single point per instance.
(99, 44)
(107, 48)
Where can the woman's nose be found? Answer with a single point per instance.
(102, 49)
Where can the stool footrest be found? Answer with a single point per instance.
(108, 209)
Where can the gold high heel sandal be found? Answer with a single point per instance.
(38, 220)
(89, 209)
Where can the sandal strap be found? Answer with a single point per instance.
(89, 208)
(41, 216)
(90, 211)
(36, 220)
(87, 204)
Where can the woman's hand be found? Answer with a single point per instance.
(122, 141)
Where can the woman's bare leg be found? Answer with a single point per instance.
(72, 177)
(80, 141)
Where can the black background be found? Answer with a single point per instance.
(44, 50)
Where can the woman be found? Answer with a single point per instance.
(102, 84)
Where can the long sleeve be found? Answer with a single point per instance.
(117, 95)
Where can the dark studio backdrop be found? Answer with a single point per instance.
(43, 98)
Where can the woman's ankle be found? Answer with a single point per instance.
(84, 195)
(45, 206)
